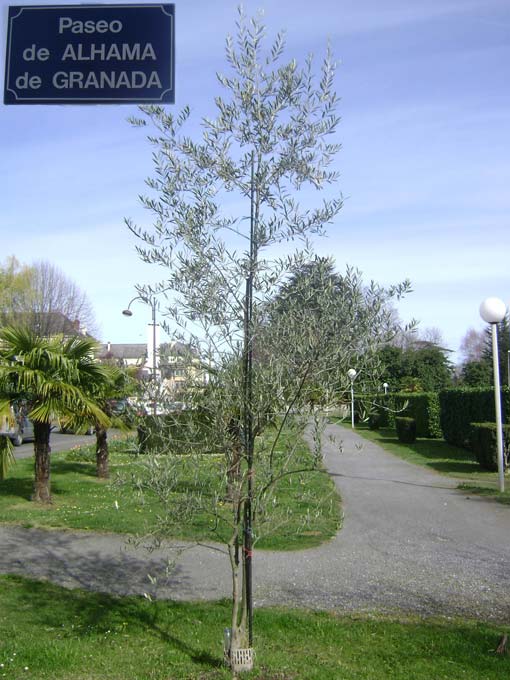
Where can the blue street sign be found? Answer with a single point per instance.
(90, 54)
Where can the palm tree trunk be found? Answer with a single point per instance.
(42, 463)
(102, 468)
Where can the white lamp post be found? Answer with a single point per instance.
(352, 373)
(385, 387)
(154, 368)
(493, 310)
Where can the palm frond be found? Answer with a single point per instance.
(6, 457)
(57, 377)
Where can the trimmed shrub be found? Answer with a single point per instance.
(422, 406)
(463, 406)
(406, 429)
(484, 444)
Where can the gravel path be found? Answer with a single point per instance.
(410, 542)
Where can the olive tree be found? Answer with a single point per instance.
(227, 221)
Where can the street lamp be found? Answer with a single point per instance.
(127, 312)
(351, 374)
(493, 311)
(385, 387)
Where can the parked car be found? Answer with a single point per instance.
(17, 426)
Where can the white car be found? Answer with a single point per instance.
(17, 427)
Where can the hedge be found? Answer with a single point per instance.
(463, 406)
(422, 406)
(483, 438)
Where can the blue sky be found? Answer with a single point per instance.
(425, 164)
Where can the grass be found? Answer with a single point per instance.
(487, 492)
(438, 455)
(47, 632)
(82, 501)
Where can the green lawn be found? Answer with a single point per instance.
(437, 455)
(81, 501)
(50, 633)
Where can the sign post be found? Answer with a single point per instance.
(90, 54)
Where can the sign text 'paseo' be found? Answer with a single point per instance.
(90, 54)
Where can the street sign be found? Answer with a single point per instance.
(90, 54)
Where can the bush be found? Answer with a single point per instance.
(173, 433)
(82, 454)
(463, 406)
(484, 444)
(406, 429)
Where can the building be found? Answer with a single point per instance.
(176, 363)
(124, 354)
(49, 324)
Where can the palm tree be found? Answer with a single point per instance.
(117, 385)
(54, 378)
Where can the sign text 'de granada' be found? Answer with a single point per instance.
(90, 54)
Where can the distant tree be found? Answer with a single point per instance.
(503, 330)
(432, 335)
(43, 299)
(476, 374)
(337, 314)
(416, 368)
(432, 367)
(15, 287)
(475, 368)
(472, 345)
(53, 378)
(55, 299)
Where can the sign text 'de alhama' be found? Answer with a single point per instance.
(74, 54)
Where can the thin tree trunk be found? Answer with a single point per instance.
(102, 465)
(42, 489)
(239, 638)
(234, 462)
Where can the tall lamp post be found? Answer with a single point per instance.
(352, 373)
(127, 312)
(493, 311)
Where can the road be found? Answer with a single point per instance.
(410, 542)
(58, 442)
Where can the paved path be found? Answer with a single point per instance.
(410, 542)
(58, 442)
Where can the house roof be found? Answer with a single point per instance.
(136, 351)
(123, 350)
